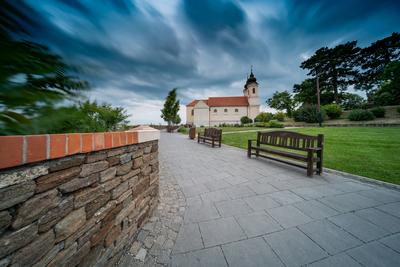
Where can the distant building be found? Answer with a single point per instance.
(228, 109)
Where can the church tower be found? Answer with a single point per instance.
(251, 91)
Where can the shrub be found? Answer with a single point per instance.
(183, 129)
(261, 124)
(379, 112)
(334, 111)
(245, 120)
(263, 117)
(308, 113)
(360, 115)
(280, 116)
(398, 109)
(275, 124)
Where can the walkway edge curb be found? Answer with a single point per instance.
(363, 179)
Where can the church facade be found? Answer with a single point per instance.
(214, 111)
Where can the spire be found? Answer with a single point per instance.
(251, 78)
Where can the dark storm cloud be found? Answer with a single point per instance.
(202, 47)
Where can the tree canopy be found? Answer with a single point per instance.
(371, 69)
(282, 101)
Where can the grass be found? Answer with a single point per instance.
(366, 151)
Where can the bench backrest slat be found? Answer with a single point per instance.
(289, 139)
(212, 132)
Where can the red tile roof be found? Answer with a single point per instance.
(228, 101)
(195, 101)
(225, 101)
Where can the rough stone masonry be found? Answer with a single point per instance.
(79, 210)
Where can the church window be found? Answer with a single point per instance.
(192, 112)
(254, 90)
(226, 110)
(236, 110)
(215, 110)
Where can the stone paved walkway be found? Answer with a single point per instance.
(218, 208)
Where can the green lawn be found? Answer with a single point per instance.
(365, 151)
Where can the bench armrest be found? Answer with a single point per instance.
(314, 149)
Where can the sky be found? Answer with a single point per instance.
(134, 52)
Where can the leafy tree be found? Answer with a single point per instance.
(334, 67)
(373, 60)
(389, 92)
(32, 79)
(171, 108)
(82, 117)
(352, 101)
(282, 101)
(306, 93)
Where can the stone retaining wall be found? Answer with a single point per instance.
(76, 210)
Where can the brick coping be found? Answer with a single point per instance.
(22, 149)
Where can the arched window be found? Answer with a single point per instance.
(254, 90)
(192, 112)
(236, 110)
(226, 110)
(215, 110)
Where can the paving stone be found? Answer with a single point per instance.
(392, 241)
(330, 237)
(189, 238)
(289, 216)
(347, 187)
(337, 260)
(232, 207)
(386, 221)
(239, 191)
(392, 208)
(141, 255)
(256, 224)
(285, 197)
(214, 196)
(198, 213)
(235, 180)
(381, 195)
(191, 201)
(251, 252)
(315, 209)
(261, 188)
(217, 185)
(261, 202)
(202, 258)
(292, 183)
(362, 229)
(375, 254)
(194, 190)
(348, 202)
(316, 191)
(220, 231)
(294, 248)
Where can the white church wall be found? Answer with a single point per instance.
(230, 116)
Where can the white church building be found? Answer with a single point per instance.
(228, 109)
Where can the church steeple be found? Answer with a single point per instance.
(251, 78)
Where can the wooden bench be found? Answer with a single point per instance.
(210, 136)
(311, 146)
